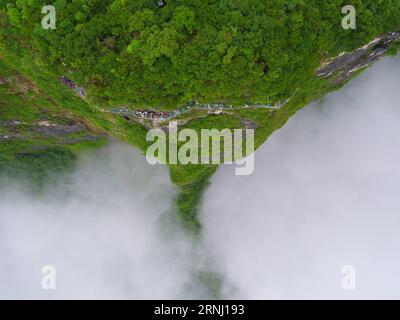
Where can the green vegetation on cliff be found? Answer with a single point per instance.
(39, 139)
(137, 54)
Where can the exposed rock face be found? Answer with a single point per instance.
(345, 65)
(15, 129)
(52, 129)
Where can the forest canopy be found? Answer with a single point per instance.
(236, 51)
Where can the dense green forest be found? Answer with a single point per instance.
(140, 54)
(237, 51)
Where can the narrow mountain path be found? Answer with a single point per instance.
(158, 117)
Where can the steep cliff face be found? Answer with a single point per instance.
(264, 60)
(35, 131)
(331, 75)
(39, 139)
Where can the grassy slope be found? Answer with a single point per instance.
(27, 153)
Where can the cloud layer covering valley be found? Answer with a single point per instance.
(108, 233)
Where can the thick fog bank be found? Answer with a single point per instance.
(107, 232)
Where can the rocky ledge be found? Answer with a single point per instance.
(344, 66)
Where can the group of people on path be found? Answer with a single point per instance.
(163, 115)
(167, 115)
(72, 85)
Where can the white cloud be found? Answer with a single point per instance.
(108, 232)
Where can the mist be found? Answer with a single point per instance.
(108, 231)
(324, 195)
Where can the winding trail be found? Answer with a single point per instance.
(157, 116)
(216, 108)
